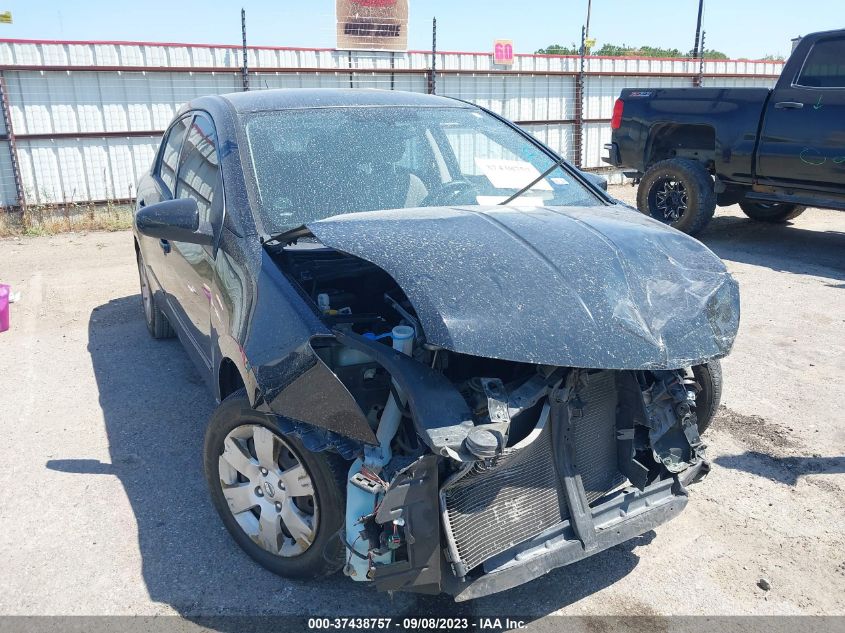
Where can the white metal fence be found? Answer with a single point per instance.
(85, 118)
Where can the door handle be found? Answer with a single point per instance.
(789, 105)
(165, 245)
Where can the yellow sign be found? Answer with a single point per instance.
(6, 17)
(590, 42)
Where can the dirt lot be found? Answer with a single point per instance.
(104, 508)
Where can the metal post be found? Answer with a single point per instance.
(245, 68)
(578, 133)
(698, 29)
(701, 61)
(589, 10)
(432, 82)
(13, 150)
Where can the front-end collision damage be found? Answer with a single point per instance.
(559, 286)
(541, 411)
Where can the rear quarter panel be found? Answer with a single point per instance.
(733, 113)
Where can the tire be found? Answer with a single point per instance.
(709, 377)
(773, 212)
(319, 554)
(157, 323)
(688, 200)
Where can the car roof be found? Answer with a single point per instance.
(297, 98)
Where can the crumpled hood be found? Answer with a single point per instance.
(596, 287)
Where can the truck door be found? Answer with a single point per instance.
(802, 141)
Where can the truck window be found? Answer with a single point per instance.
(825, 65)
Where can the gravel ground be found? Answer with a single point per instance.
(104, 508)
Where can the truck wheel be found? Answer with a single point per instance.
(281, 503)
(678, 192)
(157, 323)
(709, 377)
(774, 212)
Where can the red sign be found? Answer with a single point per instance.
(503, 52)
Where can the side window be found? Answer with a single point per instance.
(199, 171)
(170, 155)
(825, 65)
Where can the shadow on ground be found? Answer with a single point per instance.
(155, 407)
(786, 470)
(781, 247)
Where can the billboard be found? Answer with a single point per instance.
(372, 24)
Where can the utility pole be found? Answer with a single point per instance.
(244, 68)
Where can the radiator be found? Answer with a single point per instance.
(518, 494)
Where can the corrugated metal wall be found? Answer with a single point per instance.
(86, 117)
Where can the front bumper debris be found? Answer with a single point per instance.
(621, 517)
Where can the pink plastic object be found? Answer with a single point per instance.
(4, 307)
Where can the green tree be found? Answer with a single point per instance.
(710, 53)
(615, 50)
(612, 50)
(557, 49)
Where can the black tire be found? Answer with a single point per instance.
(773, 212)
(709, 377)
(688, 201)
(327, 471)
(157, 323)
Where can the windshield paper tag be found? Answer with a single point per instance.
(510, 174)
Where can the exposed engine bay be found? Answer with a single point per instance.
(479, 466)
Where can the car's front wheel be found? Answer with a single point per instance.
(774, 212)
(709, 379)
(281, 503)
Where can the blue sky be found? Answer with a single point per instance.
(740, 28)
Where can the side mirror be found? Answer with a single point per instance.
(598, 181)
(175, 220)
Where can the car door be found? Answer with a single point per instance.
(802, 143)
(159, 187)
(192, 268)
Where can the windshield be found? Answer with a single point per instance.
(315, 163)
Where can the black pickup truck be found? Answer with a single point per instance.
(774, 152)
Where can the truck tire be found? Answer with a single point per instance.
(774, 212)
(678, 192)
(709, 378)
(290, 526)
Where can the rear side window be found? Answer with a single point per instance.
(170, 155)
(199, 170)
(825, 65)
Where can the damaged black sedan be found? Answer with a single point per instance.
(446, 360)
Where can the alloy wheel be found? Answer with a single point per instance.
(670, 200)
(269, 491)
